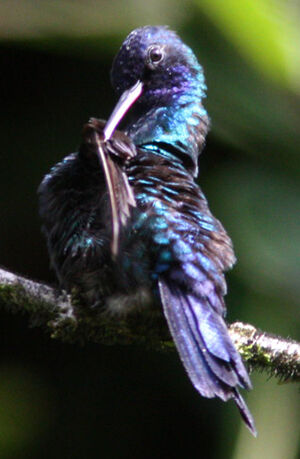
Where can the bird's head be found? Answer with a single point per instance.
(159, 79)
(155, 56)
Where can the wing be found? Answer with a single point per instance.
(205, 348)
(112, 154)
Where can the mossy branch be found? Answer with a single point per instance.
(265, 351)
(65, 319)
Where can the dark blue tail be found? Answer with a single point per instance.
(205, 348)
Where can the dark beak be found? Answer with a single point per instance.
(123, 105)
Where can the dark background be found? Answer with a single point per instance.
(59, 400)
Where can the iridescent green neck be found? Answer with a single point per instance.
(181, 125)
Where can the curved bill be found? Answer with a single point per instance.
(123, 105)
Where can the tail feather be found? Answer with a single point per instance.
(207, 353)
(213, 330)
(245, 413)
(221, 369)
(186, 345)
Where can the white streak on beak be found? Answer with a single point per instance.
(123, 105)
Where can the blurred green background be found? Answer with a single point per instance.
(66, 401)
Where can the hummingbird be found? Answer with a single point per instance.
(128, 226)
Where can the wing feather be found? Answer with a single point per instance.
(112, 154)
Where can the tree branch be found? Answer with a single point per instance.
(67, 320)
(265, 351)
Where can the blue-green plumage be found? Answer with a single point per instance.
(137, 232)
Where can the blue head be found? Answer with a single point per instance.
(168, 108)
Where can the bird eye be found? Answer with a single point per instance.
(155, 55)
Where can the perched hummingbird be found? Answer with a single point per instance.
(135, 230)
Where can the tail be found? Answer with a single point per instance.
(205, 348)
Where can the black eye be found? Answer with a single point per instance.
(155, 55)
